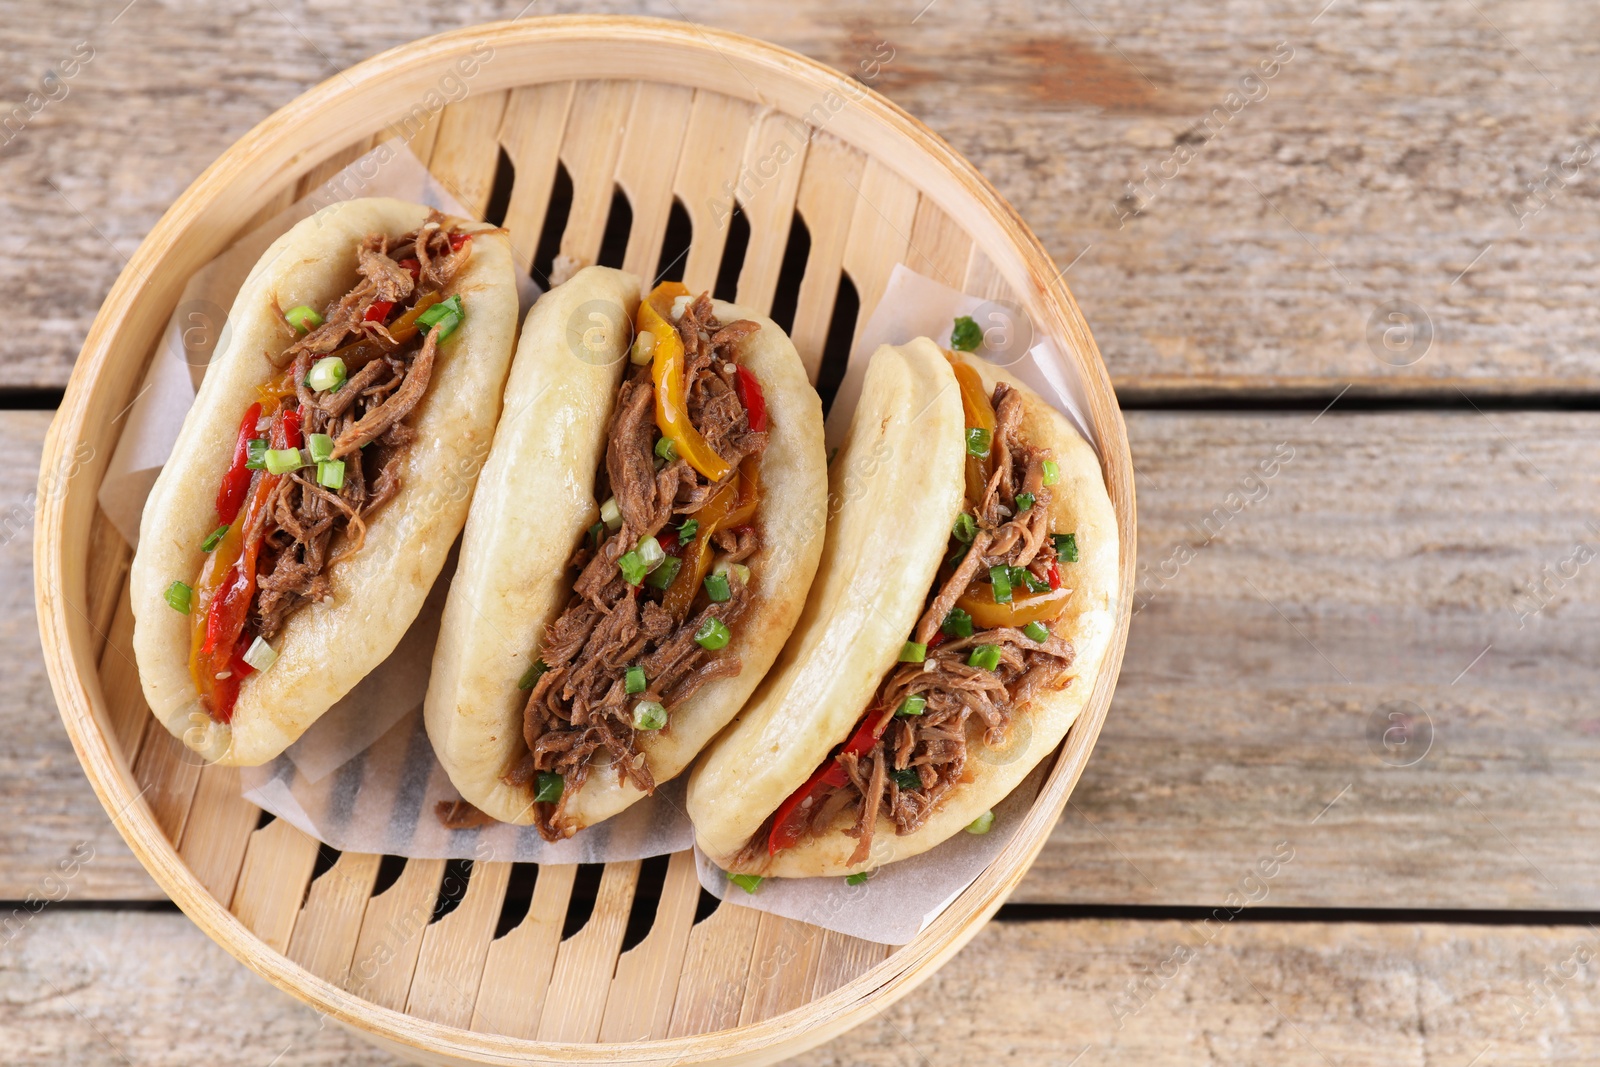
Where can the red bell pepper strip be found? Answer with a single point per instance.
(291, 430)
(787, 829)
(750, 395)
(1054, 576)
(411, 265)
(236, 483)
(459, 239)
(225, 691)
(221, 643)
(377, 311)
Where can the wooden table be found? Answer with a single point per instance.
(1415, 567)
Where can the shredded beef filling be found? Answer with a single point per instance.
(921, 757)
(580, 714)
(460, 815)
(365, 416)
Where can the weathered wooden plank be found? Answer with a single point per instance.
(48, 813)
(75, 986)
(1275, 214)
(1310, 584)
(1399, 545)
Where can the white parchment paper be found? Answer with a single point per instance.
(364, 777)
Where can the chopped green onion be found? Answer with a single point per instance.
(1024, 577)
(327, 374)
(213, 538)
(981, 824)
(664, 573)
(717, 588)
(687, 531)
(651, 552)
(256, 455)
(1037, 631)
(957, 624)
(644, 348)
(283, 460)
(649, 715)
(748, 882)
(1000, 576)
(260, 655)
(985, 657)
(966, 335)
(912, 652)
(634, 681)
(330, 474)
(596, 532)
(908, 778)
(178, 595)
(666, 449)
(550, 788)
(303, 318)
(320, 445)
(858, 878)
(1067, 547)
(1024, 502)
(965, 528)
(912, 705)
(978, 440)
(738, 570)
(633, 567)
(530, 677)
(445, 315)
(712, 634)
(611, 514)
(1052, 472)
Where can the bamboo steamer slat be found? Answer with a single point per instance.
(870, 188)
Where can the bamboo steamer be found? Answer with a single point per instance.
(509, 116)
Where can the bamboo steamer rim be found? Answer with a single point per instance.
(205, 218)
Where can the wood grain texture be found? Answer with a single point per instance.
(516, 973)
(76, 986)
(1382, 158)
(1399, 545)
(48, 813)
(1376, 582)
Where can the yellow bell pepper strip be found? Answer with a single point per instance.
(979, 414)
(978, 601)
(672, 392)
(733, 504)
